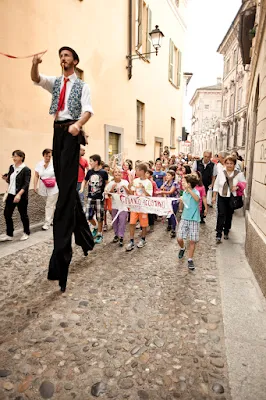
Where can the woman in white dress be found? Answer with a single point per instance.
(45, 177)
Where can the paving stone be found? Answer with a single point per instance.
(217, 388)
(98, 389)
(4, 373)
(126, 383)
(47, 390)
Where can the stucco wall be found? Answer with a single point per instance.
(256, 158)
(99, 33)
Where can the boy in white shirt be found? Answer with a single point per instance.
(140, 187)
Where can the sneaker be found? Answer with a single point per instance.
(218, 240)
(94, 232)
(45, 227)
(191, 265)
(24, 237)
(115, 239)
(98, 239)
(181, 253)
(121, 242)
(173, 234)
(6, 238)
(130, 246)
(168, 228)
(226, 237)
(141, 243)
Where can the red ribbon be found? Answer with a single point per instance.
(32, 55)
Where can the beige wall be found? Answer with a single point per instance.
(256, 154)
(100, 36)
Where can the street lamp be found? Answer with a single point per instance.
(156, 38)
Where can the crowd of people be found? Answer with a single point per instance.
(187, 180)
(64, 176)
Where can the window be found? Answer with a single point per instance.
(239, 98)
(140, 122)
(235, 56)
(148, 30)
(207, 107)
(172, 133)
(227, 69)
(175, 65)
(232, 106)
(225, 108)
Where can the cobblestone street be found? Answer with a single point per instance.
(130, 326)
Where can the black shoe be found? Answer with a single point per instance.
(115, 239)
(218, 240)
(121, 242)
(202, 221)
(173, 234)
(181, 253)
(226, 237)
(191, 265)
(168, 228)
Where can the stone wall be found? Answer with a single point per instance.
(35, 209)
(256, 252)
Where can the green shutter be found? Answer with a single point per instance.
(171, 59)
(149, 29)
(179, 69)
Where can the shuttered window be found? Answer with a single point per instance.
(175, 65)
(140, 122)
(139, 27)
(149, 29)
(172, 133)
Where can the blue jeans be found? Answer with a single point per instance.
(81, 195)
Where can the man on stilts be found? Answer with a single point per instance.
(71, 107)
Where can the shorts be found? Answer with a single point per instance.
(188, 229)
(141, 217)
(95, 206)
(108, 204)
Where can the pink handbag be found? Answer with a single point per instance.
(49, 182)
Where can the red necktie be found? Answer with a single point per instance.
(61, 103)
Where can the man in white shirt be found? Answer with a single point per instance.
(71, 108)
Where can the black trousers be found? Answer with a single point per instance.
(151, 219)
(23, 211)
(69, 217)
(224, 217)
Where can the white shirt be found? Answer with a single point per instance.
(221, 179)
(138, 189)
(45, 173)
(47, 83)
(118, 190)
(13, 176)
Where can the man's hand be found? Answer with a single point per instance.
(4, 177)
(36, 60)
(74, 129)
(17, 198)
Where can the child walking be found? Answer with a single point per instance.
(189, 224)
(141, 187)
(202, 191)
(119, 186)
(171, 189)
(152, 217)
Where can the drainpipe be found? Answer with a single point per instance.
(129, 67)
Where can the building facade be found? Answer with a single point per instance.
(136, 116)
(253, 49)
(206, 106)
(137, 106)
(235, 82)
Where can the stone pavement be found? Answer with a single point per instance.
(131, 326)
